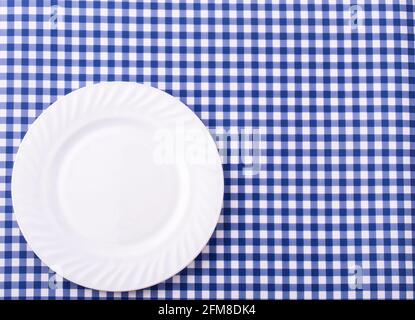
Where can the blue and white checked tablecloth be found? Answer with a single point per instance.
(331, 86)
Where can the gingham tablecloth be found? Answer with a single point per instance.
(331, 87)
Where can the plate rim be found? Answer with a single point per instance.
(18, 159)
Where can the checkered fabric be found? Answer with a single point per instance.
(329, 84)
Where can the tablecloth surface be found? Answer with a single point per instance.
(330, 86)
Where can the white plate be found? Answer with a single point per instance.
(117, 186)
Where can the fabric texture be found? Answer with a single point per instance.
(330, 86)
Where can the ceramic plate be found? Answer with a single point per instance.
(117, 186)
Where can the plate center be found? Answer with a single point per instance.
(109, 187)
